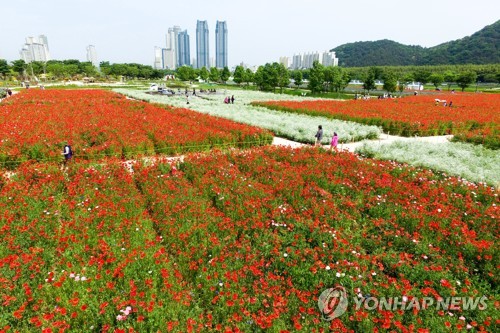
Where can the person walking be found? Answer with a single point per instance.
(319, 135)
(232, 99)
(335, 141)
(68, 153)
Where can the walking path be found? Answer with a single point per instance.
(384, 139)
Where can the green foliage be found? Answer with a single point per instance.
(390, 81)
(465, 79)
(316, 77)
(436, 79)
(184, 73)
(239, 74)
(225, 74)
(204, 74)
(480, 48)
(4, 68)
(297, 76)
(214, 75)
(369, 80)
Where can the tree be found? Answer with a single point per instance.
(450, 77)
(225, 74)
(19, 66)
(184, 73)
(390, 81)
(369, 81)
(316, 77)
(258, 77)
(329, 75)
(283, 76)
(341, 79)
(4, 68)
(422, 76)
(204, 74)
(436, 79)
(249, 76)
(239, 75)
(298, 78)
(465, 79)
(214, 75)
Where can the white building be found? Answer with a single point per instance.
(304, 61)
(35, 49)
(158, 62)
(285, 61)
(92, 56)
(329, 59)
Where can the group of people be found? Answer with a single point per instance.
(319, 137)
(229, 100)
(444, 103)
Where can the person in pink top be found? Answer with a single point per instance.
(335, 141)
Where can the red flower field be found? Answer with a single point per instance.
(243, 241)
(231, 240)
(36, 123)
(408, 116)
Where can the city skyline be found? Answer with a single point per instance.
(261, 31)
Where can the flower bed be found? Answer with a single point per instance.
(244, 240)
(300, 128)
(35, 124)
(408, 116)
(472, 162)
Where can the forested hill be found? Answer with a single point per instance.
(483, 47)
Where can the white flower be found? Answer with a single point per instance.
(327, 268)
(285, 254)
(337, 274)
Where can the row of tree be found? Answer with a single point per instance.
(328, 78)
(69, 69)
(268, 77)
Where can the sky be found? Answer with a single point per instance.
(259, 31)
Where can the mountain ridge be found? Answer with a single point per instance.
(482, 47)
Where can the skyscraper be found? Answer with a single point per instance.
(183, 49)
(202, 50)
(158, 62)
(170, 58)
(221, 44)
(35, 49)
(92, 55)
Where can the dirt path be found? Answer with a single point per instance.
(384, 139)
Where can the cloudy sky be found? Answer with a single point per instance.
(260, 31)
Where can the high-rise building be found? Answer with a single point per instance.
(329, 59)
(158, 62)
(285, 61)
(92, 56)
(170, 60)
(183, 49)
(35, 49)
(221, 44)
(202, 50)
